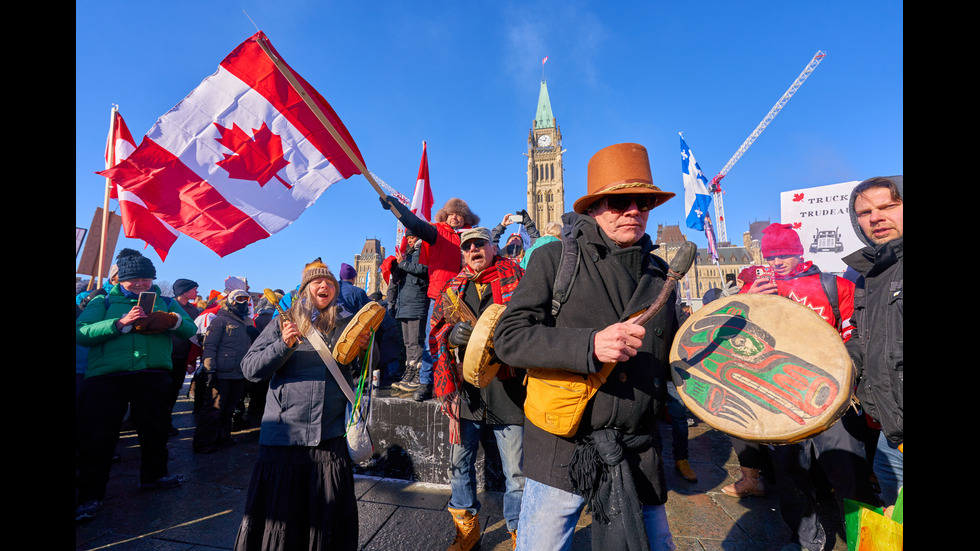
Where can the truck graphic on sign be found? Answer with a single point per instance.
(826, 241)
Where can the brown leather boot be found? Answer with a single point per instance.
(683, 467)
(750, 485)
(467, 530)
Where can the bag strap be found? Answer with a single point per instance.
(320, 346)
(829, 283)
(567, 269)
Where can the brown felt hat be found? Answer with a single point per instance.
(621, 169)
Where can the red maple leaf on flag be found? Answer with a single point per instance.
(797, 197)
(797, 225)
(257, 158)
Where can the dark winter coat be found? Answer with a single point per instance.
(182, 347)
(413, 297)
(877, 343)
(502, 401)
(611, 285)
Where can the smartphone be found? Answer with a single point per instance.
(764, 272)
(146, 301)
(517, 218)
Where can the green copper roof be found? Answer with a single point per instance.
(544, 118)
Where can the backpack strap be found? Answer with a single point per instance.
(829, 283)
(567, 269)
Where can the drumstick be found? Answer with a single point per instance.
(678, 267)
(271, 296)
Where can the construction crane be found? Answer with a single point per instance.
(715, 186)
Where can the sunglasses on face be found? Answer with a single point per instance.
(620, 203)
(478, 243)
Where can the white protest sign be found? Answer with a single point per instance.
(820, 215)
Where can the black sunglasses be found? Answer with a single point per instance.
(620, 203)
(469, 244)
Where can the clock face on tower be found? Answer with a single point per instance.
(544, 140)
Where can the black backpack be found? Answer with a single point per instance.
(569, 263)
(829, 283)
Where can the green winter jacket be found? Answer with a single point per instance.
(111, 351)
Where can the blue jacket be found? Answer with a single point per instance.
(304, 406)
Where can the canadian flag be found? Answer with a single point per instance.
(137, 221)
(422, 200)
(243, 155)
(119, 145)
(421, 203)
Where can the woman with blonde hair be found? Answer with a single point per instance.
(302, 491)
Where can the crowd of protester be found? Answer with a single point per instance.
(133, 356)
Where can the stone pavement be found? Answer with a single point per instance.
(204, 513)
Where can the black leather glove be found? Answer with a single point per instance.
(460, 334)
(386, 202)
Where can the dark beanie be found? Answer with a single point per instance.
(181, 286)
(133, 265)
(347, 272)
(781, 239)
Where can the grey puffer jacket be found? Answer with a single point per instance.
(225, 344)
(304, 405)
(877, 343)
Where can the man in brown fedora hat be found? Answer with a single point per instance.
(613, 461)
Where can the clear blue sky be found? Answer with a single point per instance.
(464, 77)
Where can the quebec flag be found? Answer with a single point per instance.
(697, 200)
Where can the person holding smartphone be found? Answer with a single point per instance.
(839, 450)
(128, 333)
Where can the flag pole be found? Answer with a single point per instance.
(286, 72)
(110, 162)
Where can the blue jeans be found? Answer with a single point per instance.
(462, 475)
(549, 516)
(888, 467)
(425, 369)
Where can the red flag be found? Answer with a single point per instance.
(119, 145)
(242, 156)
(137, 221)
(422, 200)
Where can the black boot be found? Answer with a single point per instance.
(423, 393)
(410, 379)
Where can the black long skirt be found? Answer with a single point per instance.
(300, 499)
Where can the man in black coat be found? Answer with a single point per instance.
(877, 344)
(613, 461)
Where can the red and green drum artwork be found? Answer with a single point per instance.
(762, 368)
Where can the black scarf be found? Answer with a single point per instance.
(600, 474)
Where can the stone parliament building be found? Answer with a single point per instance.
(546, 203)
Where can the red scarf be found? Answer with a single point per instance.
(503, 277)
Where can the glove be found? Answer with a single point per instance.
(156, 322)
(460, 334)
(386, 202)
(210, 378)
